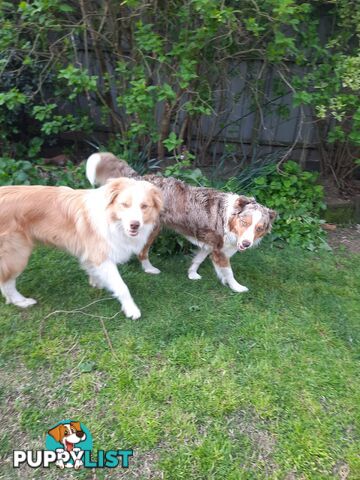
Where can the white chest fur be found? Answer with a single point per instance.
(122, 247)
(229, 247)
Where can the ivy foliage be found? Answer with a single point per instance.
(299, 201)
(24, 172)
(153, 70)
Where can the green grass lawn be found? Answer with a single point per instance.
(208, 384)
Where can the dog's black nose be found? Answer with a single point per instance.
(80, 433)
(134, 225)
(246, 243)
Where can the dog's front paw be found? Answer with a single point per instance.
(93, 282)
(194, 276)
(236, 287)
(131, 311)
(24, 302)
(153, 270)
(149, 268)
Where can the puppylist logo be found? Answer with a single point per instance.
(69, 445)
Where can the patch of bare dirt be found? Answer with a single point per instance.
(347, 238)
(262, 440)
(332, 193)
(341, 470)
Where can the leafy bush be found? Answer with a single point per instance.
(167, 66)
(18, 172)
(297, 198)
(71, 175)
(171, 243)
(182, 171)
(23, 172)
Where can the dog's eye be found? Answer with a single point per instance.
(125, 204)
(259, 229)
(144, 206)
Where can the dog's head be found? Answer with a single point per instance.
(68, 434)
(133, 203)
(249, 221)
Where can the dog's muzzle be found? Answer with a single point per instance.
(134, 228)
(243, 245)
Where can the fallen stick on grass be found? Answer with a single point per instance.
(80, 310)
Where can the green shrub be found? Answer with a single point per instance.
(71, 175)
(182, 171)
(171, 243)
(167, 66)
(17, 172)
(23, 172)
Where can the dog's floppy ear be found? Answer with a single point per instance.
(157, 198)
(76, 425)
(57, 432)
(114, 186)
(242, 201)
(272, 214)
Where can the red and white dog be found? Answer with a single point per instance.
(102, 227)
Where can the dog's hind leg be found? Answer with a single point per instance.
(11, 294)
(144, 254)
(14, 255)
(200, 256)
(224, 272)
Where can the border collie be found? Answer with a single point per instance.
(101, 227)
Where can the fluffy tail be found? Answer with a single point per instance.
(102, 166)
(91, 165)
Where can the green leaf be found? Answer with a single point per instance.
(87, 367)
(172, 142)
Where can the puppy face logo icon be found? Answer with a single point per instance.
(69, 439)
(68, 434)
